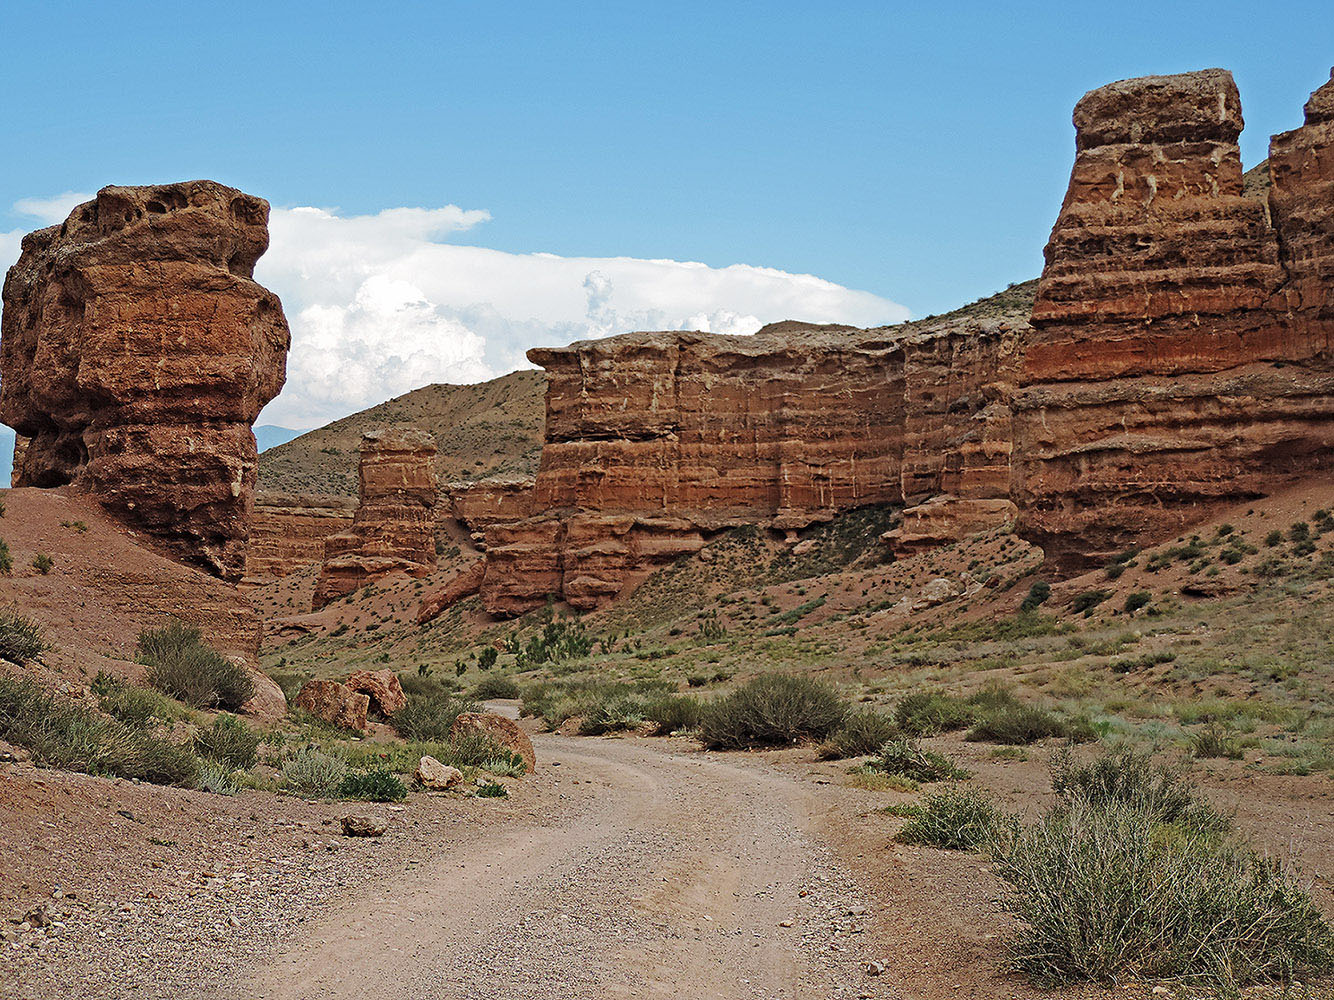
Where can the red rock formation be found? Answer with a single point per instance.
(463, 584)
(393, 529)
(334, 702)
(287, 532)
(507, 734)
(656, 440)
(382, 687)
(1178, 360)
(477, 505)
(136, 353)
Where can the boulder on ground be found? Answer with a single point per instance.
(506, 733)
(268, 703)
(437, 776)
(364, 825)
(382, 687)
(334, 702)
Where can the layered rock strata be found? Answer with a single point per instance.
(393, 529)
(657, 440)
(287, 532)
(1180, 356)
(136, 351)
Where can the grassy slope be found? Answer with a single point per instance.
(482, 430)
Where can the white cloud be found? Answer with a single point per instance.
(378, 305)
(51, 211)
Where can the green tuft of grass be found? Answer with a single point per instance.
(181, 665)
(956, 819)
(772, 710)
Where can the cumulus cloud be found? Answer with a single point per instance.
(382, 304)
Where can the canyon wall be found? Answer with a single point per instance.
(657, 440)
(136, 351)
(287, 532)
(393, 528)
(1180, 352)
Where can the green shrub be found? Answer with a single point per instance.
(507, 765)
(217, 778)
(906, 758)
(1215, 741)
(21, 638)
(132, 704)
(59, 733)
(673, 713)
(430, 718)
(498, 686)
(1106, 892)
(6, 559)
(1139, 599)
(613, 714)
(1017, 725)
(1130, 777)
(491, 790)
(1088, 600)
(863, 732)
(1274, 538)
(772, 710)
(229, 742)
(312, 773)
(486, 659)
(956, 819)
(181, 665)
(43, 563)
(1037, 595)
(379, 785)
(926, 713)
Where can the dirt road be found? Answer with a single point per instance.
(646, 873)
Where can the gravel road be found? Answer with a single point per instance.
(645, 873)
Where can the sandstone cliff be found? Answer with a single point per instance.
(288, 532)
(1180, 356)
(393, 529)
(136, 351)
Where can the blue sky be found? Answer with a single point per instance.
(917, 152)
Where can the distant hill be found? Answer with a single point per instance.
(268, 436)
(481, 430)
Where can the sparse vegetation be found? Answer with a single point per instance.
(864, 731)
(132, 704)
(430, 718)
(772, 710)
(909, 759)
(229, 742)
(21, 638)
(956, 819)
(312, 773)
(181, 665)
(43, 563)
(379, 785)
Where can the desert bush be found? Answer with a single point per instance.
(1106, 892)
(615, 713)
(909, 759)
(62, 734)
(1130, 777)
(926, 713)
(1016, 725)
(181, 665)
(1214, 740)
(6, 558)
(772, 710)
(1037, 595)
(863, 732)
(43, 563)
(132, 704)
(673, 713)
(491, 790)
(956, 819)
(1139, 599)
(430, 718)
(507, 765)
(21, 638)
(229, 742)
(380, 785)
(312, 773)
(498, 686)
(1088, 600)
(217, 778)
(486, 659)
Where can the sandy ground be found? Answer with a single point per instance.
(621, 868)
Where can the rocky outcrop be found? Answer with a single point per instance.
(463, 584)
(505, 733)
(136, 352)
(382, 687)
(287, 532)
(656, 441)
(393, 529)
(1180, 356)
(478, 505)
(335, 703)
